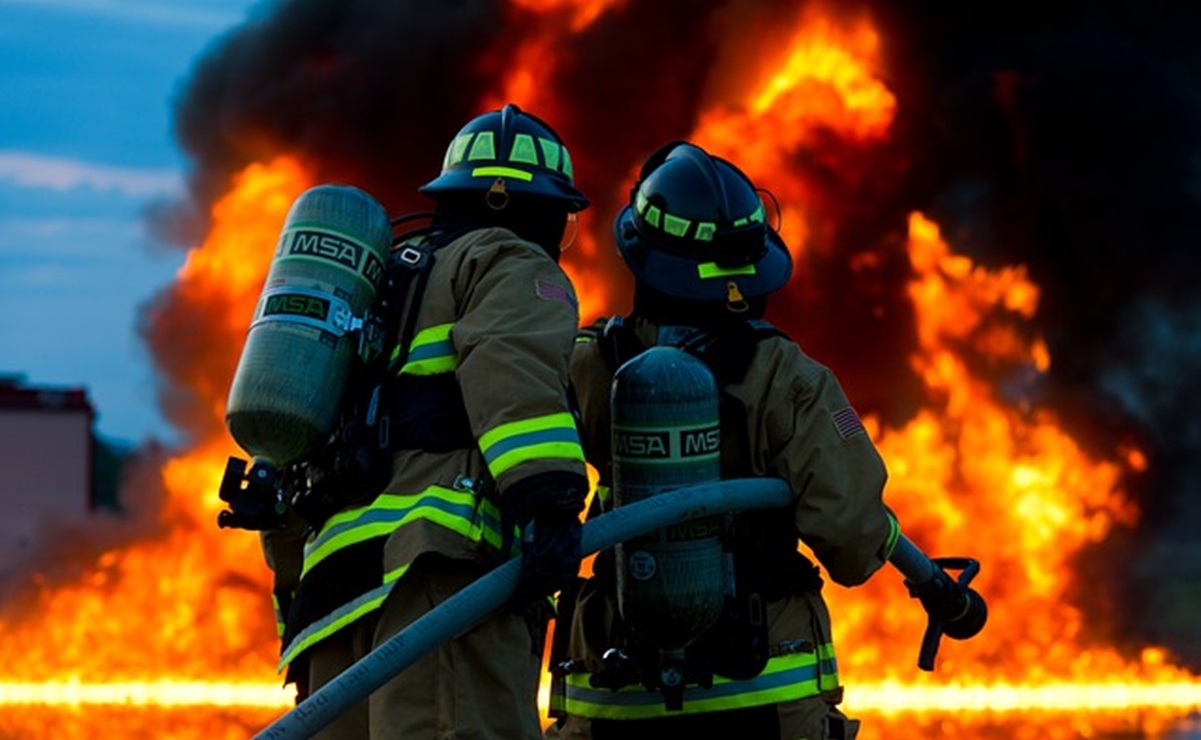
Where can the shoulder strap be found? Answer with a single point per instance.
(408, 271)
(728, 350)
(618, 343)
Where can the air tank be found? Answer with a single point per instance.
(666, 435)
(303, 338)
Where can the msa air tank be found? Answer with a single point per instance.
(667, 435)
(304, 335)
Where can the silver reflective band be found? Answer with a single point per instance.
(335, 317)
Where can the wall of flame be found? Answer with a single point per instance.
(943, 353)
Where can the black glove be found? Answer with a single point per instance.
(547, 509)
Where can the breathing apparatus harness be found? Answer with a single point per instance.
(354, 465)
(766, 564)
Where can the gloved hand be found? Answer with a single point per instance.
(547, 509)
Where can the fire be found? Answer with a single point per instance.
(975, 475)
(583, 12)
(179, 618)
(184, 618)
(822, 80)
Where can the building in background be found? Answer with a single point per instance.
(53, 470)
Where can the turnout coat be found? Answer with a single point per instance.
(796, 424)
(481, 404)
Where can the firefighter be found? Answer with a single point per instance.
(483, 457)
(705, 261)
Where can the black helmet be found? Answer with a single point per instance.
(508, 151)
(695, 230)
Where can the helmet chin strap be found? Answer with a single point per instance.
(568, 240)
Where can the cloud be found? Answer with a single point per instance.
(55, 173)
(142, 11)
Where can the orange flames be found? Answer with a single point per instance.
(184, 618)
(187, 605)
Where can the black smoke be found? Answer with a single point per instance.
(1063, 136)
(1067, 137)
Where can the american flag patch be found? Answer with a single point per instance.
(847, 422)
(548, 291)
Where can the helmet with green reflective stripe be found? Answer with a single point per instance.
(695, 229)
(508, 149)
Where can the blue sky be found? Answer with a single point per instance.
(86, 92)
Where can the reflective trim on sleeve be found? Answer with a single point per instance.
(430, 353)
(786, 678)
(279, 616)
(894, 536)
(605, 494)
(553, 436)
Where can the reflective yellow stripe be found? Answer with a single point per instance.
(786, 678)
(433, 366)
(556, 450)
(279, 616)
(340, 618)
(512, 172)
(431, 352)
(353, 536)
(459, 511)
(894, 535)
(551, 436)
(431, 334)
(714, 270)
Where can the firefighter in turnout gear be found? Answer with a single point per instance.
(705, 261)
(466, 454)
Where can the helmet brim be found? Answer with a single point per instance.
(680, 277)
(463, 181)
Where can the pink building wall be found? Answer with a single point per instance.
(45, 466)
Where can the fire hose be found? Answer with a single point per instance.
(491, 591)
